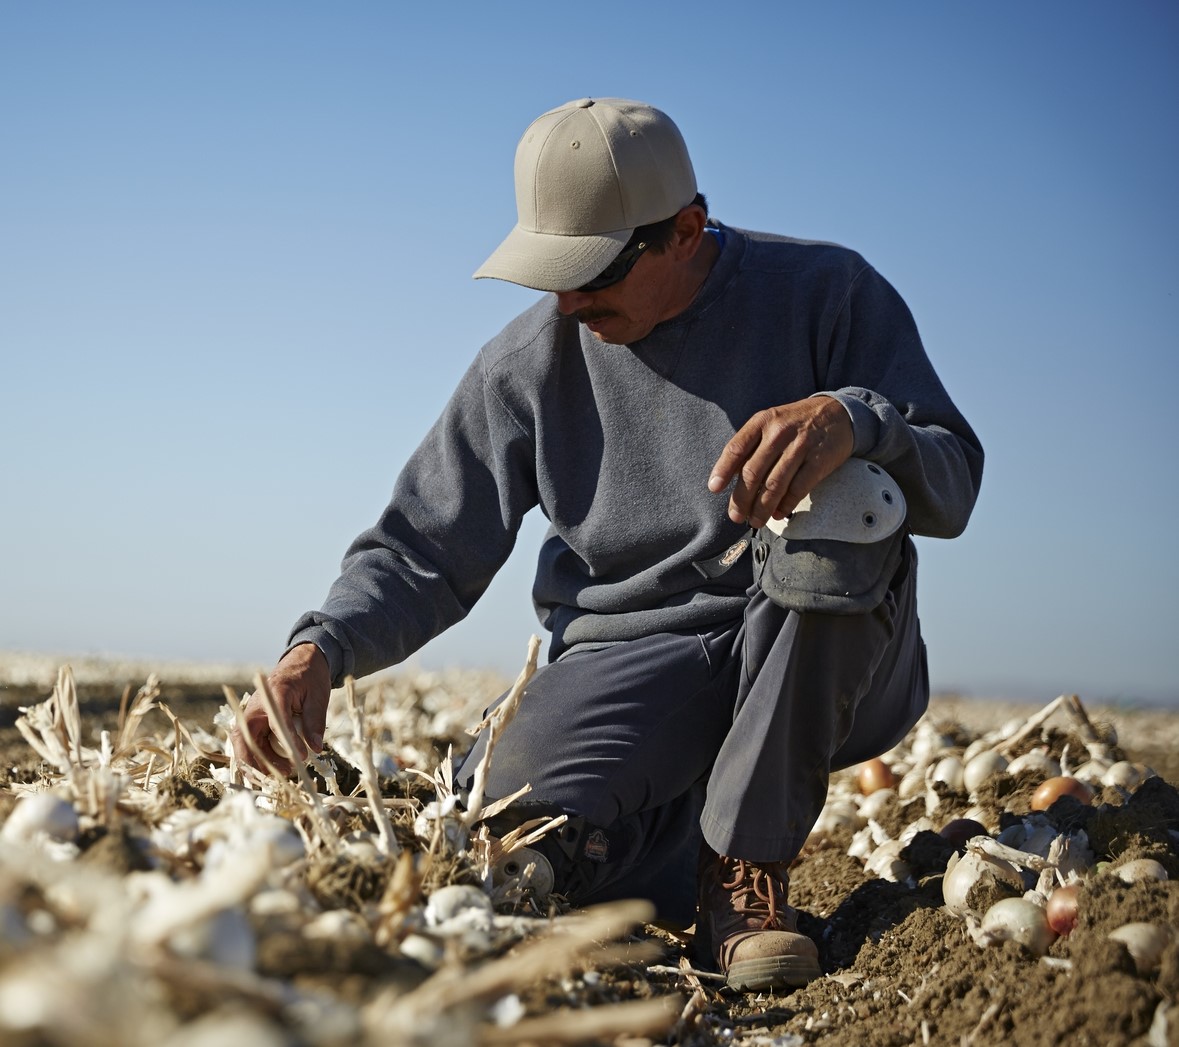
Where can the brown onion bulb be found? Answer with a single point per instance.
(1062, 909)
(874, 774)
(1052, 789)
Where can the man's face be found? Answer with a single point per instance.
(626, 311)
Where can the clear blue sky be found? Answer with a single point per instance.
(236, 242)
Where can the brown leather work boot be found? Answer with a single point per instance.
(747, 927)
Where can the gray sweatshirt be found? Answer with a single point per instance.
(615, 444)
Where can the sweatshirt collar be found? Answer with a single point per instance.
(719, 277)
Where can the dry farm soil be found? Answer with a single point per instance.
(172, 914)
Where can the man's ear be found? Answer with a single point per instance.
(689, 227)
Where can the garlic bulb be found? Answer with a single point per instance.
(1141, 869)
(975, 748)
(1093, 770)
(929, 743)
(338, 925)
(1019, 920)
(1037, 760)
(912, 784)
(979, 769)
(41, 814)
(458, 901)
(867, 839)
(948, 770)
(887, 863)
(875, 802)
(973, 876)
(1033, 833)
(1126, 775)
(838, 813)
(426, 951)
(1145, 942)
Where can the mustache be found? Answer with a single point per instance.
(589, 316)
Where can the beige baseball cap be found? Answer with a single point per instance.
(587, 175)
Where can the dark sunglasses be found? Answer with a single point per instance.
(617, 270)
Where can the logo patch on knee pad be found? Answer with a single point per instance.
(733, 553)
(597, 846)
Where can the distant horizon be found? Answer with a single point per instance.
(1022, 694)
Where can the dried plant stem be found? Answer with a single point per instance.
(178, 762)
(1030, 724)
(131, 716)
(45, 745)
(269, 995)
(123, 703)
(53, 727)
(240, 716)
(386, 841)
(502, 714)
(575, 939)
(196, 900)
(995, 849)
(151, 750)
(402, 893)
(689, 1018)
(272, 773)
(983, 1023)
(692, 975)
(212, 757)
(474, 811)
(494, 725)
(529, 832)
(65, 695)
(1097, 748)
(1076, 713)
(634, 1018)
(492, 809)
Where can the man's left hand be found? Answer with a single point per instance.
(780, 455)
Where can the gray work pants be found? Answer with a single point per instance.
(730, 734)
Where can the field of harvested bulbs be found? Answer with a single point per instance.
(1007, 882)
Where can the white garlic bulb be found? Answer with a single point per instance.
(973, 869)
(1019, 920)
(1037, 760)
(981, 767)
(1140, 869)
(41, 814)
(1145, 942)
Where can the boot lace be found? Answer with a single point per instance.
(758, 890)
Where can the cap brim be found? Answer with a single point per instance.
(547, 262)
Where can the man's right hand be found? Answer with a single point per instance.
(780, 455)
(300, 686)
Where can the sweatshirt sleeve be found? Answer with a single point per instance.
(901, 414)
(450, 525)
